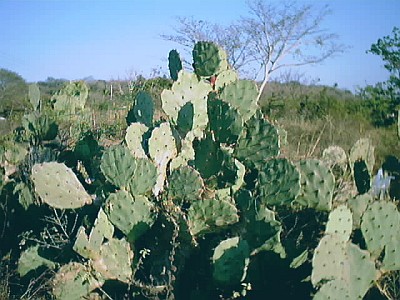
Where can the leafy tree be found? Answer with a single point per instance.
(13, 92)
(383, 99)
(274, 36)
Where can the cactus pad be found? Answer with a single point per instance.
(118, 165)
(278, 182)
(115, 260)
(208, 156)
(143, 109)
(58, 186)
(379, 226)
(185, 184)
(334, 156)
(224, 78)
(258, 142)
(363, 150)
(162, 150)
(242, 95)
(188, 88)
(73, 282)
(134, 138)
(340, 222)
(210, 214)
(225, 121)
(317, 185)
(30, 260)
(132, 215)
(144, 177)
(89, 247)
(174, 64)
(230, 261)
(208, 59)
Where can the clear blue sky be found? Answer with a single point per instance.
(113, 39)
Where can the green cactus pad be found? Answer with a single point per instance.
(224, 78)
(25, 197)
(391, 261)
(208, 156)
(86, 148)
(278, 182)
(89, 247)
(30, 260)
(132, 215)
(363, 150)
(134, 137)
(335, 259)
(34, 95)
(335, 156)
(225, 121)
(317, 185)
(118, 165)
(242, 95)
(162, 150)
(258, 142)
(361, 271)
(71, 98)
(329, 259)
(185, 119)
(358, 206)
(208, 59)
(73, 281)
(362, 177)
(58, 186)
(186, 153)
(262, 230)
(379, 226)
(174, 64)
(41, 126)
(340, 222)
(333, 290)
(209, 215)
(185, 184)
(188, 88)
(144, 178)
(143, 110)
(115, 260)
(230, 261)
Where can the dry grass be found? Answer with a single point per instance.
(310, 138)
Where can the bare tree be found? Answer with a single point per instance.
(189, 31)
(273, 36)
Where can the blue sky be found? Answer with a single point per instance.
(115, 39)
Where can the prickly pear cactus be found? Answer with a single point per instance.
(278, 182)
(74, 281)
(58, 186)
(317, 185)
(143, 109)
(132, 215)
(208, 59)
(378, 228)
(134, 138)
(174, 64)
(71, 98)
(258, 142)
(34, 96)
(230, 261)
(30, 260)
(89, 247)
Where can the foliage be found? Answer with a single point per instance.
(384, 98)
(13, 92)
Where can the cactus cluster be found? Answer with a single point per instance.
(212, 178)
